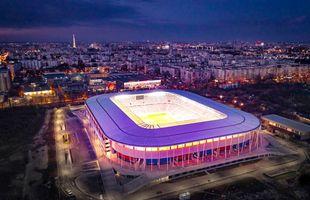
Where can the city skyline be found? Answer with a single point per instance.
(184, 21)
(155, 99)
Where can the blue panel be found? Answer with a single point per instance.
(151, 161)
(164, 161)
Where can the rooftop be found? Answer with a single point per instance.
(288, 123)
(54, 75)
(121, 127)
(124, 77)
(35, 87)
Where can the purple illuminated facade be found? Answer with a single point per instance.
(130, 146)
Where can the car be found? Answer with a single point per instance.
(68, 192)
(185, 196)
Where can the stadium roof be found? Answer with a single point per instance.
(120, 128)
(288, 123)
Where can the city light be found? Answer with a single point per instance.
(155, 108)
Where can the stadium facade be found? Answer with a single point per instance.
(168, 129)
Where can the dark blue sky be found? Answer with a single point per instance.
(155, 20)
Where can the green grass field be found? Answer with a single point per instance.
(157, 118)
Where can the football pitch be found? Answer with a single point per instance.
(157, 118)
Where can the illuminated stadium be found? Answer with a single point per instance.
(169, 130)
(164, 109)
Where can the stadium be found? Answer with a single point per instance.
(169, 130)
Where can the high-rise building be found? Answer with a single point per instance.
(31, 64)
(11, 68)
(73, 41)
(5, 81)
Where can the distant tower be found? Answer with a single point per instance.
(73, 42)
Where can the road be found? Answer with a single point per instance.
(71, 156)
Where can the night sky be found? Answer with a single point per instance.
(155, 20)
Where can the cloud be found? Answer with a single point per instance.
(175, 20)
(60, 13)
(298, 20)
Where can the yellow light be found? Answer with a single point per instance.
(188, 144)
(195, 143)
(229, 137)
(128, 147)
(148, 149)
(271, 123)
(140, 148)
(151, 149)
(209, 140)
(174, 147)
(164, 148)
(181, 145)
(202, 141)
(222, 138)
(215, 139)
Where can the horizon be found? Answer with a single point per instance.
(176, 20)
(158, 41)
